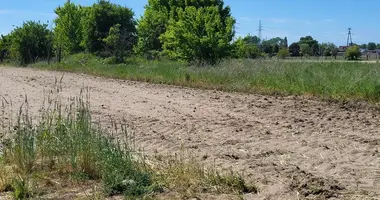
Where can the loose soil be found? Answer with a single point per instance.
(291, 147)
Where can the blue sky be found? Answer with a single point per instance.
(325, 20)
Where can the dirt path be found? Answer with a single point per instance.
(292, 147)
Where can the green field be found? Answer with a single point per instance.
(329, 79)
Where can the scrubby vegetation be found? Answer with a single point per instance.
(173, 39)
(63, 148)
(332, 80)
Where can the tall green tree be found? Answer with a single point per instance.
(353, 53)
(68, 28)
(158, 13)
(30, 42)
(305, 49)
(285, 44)
(371, 46)
(116, 42)
(327, 49)
(152, 25)
(294, 49)
(363, 46)
(252, 40)
(5, 44)
(244, 49)
(200, 34)
(99, 18)
(308, 40)
(312, 43)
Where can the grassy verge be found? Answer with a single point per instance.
(63, 148)
(336, 80)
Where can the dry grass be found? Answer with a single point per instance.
(63, 149)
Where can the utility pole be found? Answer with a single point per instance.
(260, 31)
(349, 38)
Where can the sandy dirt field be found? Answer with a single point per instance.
(291, 147)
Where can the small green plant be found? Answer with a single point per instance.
(21, 188)
(187, 77)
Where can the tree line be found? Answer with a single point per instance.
(187, 30)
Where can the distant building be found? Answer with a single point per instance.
(342, 48)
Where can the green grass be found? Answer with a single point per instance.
(64, 145)
(328, 79)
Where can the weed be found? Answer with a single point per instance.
(188, 177)
(66, 140)
(328, 79)
(65, 144)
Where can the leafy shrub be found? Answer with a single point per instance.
(283, 53)
(353, 53)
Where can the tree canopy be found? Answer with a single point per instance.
(68, 28)
(371, 46)
(200, 34)
(30, 42)
(98, 20)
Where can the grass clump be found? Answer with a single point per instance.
(64, 148)
(66, 143)
(327, 79)
(189, 178)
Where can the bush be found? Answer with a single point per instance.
(283, 53)
(243, 50)
(200, 34)
(30, 42)
(353, 53)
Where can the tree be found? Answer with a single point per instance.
(315, 49)
(30, 42)
(283, 53)
(118, 42)
(4, 47)
(157, 15)
(68, 28)
(334, 52)
(99, 19)
(371, 46)
(267, 48)
(363, 46)
(308, 40)
(378, 46)
(294, 49)
(305, 49)
(252, 40)
(353, 53)
(243, 49)
(276, 48)
(327, 48)
(275, 41)
(200, 34)
(285, 45)
(152, 25)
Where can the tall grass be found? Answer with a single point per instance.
(327, 79)
(64, 143)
